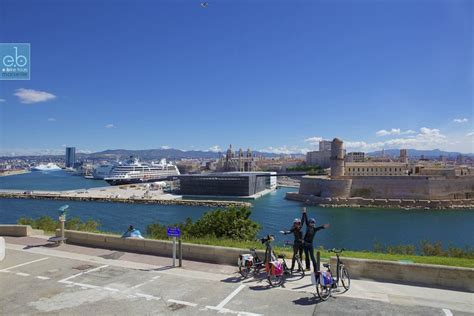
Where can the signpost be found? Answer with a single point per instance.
(174, 232)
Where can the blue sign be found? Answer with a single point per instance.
(174, 232)
(15, 61)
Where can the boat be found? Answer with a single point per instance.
(46, 167)
(134, 171)
(102, 171)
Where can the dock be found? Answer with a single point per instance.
(131, 195)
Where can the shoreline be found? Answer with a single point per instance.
(399, 204)
(14, 173)
(63, 197)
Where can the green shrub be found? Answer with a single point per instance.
(231, 223)
(48, 224)
(75, 223)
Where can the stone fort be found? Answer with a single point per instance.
(439, 184)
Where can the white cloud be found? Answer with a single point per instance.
(285, 150)
(2, 100)
(394, 131)
(313, 140)
(109, 126)
(460, 120)
(165, 147)
(427, 138)
(29, 96)
(215, 148)
(470, 134)
(51, 119)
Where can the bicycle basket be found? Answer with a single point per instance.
(275, 268)
(325, 278)
(246, 259)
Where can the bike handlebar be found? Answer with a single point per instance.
(336, 250)
(267, 238)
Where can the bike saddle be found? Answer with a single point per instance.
(326, 265)
(282, 256)
(252, 249)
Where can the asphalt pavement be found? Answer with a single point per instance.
(36, 279)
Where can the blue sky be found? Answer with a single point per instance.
(270, 75)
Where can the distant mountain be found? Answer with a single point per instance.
(168, 153)
(434, 153)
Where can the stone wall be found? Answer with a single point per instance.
(452, 188)
(390, 187)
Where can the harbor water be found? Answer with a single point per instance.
(352, 228)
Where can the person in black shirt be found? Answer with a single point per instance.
(308, 247)
(297, 231)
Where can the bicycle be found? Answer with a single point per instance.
(325, 282)
(274, 267)
(249, 262)
(300, 268)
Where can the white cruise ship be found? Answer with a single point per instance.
(46, 167)
(133, 171)
(102, 171)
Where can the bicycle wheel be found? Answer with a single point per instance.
(345, 278)
(324, 291)
(244, 270)
(276, 280)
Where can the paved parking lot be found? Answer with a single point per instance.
(43, 280)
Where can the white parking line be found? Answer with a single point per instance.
(23, 264)
(146, 282)
(447, 312)
(147, 296)
(231, 296)
(81, 273)
(42, 277)
(228, 311)
(22, 274)
(182, 302)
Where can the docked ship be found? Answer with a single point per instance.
(134, 171)
(102, 171)
(46, 167)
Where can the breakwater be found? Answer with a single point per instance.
(65, 197)
(381, 203)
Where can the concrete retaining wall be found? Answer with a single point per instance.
(423, 274)
(15, 230)
(2, 248)
(205, 253)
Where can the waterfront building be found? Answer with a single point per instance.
(70, 157)
(325, 145)
(242, 184)
(403, 156)
(322, 157)
(355, 157)
(237, 161)
(376, 169)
